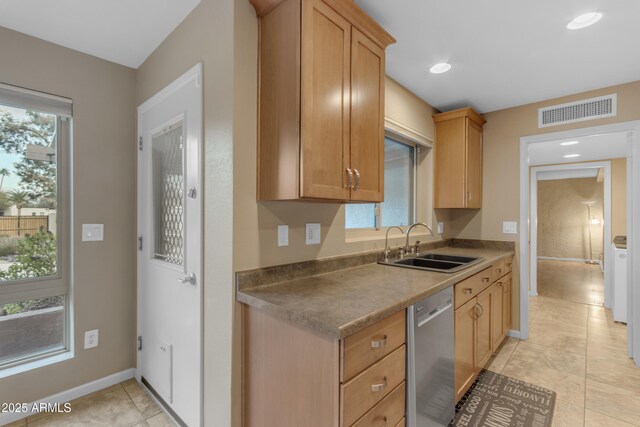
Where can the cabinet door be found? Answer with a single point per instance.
(325, 88)
(506, 305)
(484, 340)
(450, 164)
(465, 347)
(367, 118)
(497, 329)
(474, 165)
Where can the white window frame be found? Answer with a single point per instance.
(410, 137)
(59, 284)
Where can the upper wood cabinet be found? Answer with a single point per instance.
(458, 149)
(321, 101)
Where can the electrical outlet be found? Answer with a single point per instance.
(91, 339)
(440, 227)
(312, 236)
(510, 227)
(283, 235)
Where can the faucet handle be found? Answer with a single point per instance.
(416, 247)
(402, 252)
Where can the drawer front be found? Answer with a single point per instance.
(402, 423)
(469, 288)
(371, 386)
(388, 412)
(508, 265)
(366, 347)
(498, 270)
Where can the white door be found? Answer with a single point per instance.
(170, 246)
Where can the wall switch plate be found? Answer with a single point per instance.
(312, 236)
(283, 235)
(92, 232)
(510, 227)
(91, 339)
(440, 227)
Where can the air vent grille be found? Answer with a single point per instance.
(588, 109)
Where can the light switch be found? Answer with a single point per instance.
(440, 227)
(312, 236)
(510, 227)
(92, 232)
(283, 235)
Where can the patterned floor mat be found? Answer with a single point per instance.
(495, 400)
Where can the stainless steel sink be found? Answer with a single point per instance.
(435, 262)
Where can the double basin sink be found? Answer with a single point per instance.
(435, 262)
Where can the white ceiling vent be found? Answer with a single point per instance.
(579, 111)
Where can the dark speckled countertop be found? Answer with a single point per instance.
(342, 302)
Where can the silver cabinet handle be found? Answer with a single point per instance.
(350, 176)
(468, 196)
(379, 343)
(379, 387)
(190, 279)
(499, 270)
(355, 187)
(486, 279)
(467, 291)
(499, 284)
(478, 309)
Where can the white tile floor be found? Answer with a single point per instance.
(578, 351)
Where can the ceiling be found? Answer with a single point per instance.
(568, 174)
(121, 31)
(506, 53)
(591, 148)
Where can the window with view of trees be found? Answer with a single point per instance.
(399, 182)
(34, 259)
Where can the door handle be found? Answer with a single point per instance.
(190, 279)
(355, 187)
(380, 386)
(379, 343)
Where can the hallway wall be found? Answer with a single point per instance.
(563, 226)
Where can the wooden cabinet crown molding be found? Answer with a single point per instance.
(461, 112)
(348, 9)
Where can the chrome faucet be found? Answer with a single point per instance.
(410, 249)
(386, 242)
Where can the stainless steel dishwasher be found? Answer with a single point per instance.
(430, 361)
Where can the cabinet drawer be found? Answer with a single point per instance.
(388, 412)
(469, 288)
(498, 270)
(371, 344)
(508, 265)
(370, 387)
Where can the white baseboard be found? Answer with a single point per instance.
(513, 333)
(68, 395)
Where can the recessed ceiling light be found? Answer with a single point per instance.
(570, 143)
(440, 68)
(584, 20)
(570, 156)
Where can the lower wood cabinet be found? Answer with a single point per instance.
(465, 347)
(482, 320)
(293, 376)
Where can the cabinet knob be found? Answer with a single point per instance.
(384, 421)
(486, 279)
(499, 270)
(467, 291)
(509, 264)
(379, 343)
(380, 386)
(499, 284)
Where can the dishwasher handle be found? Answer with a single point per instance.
(435, 313)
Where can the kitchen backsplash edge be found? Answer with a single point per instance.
(249, 279)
